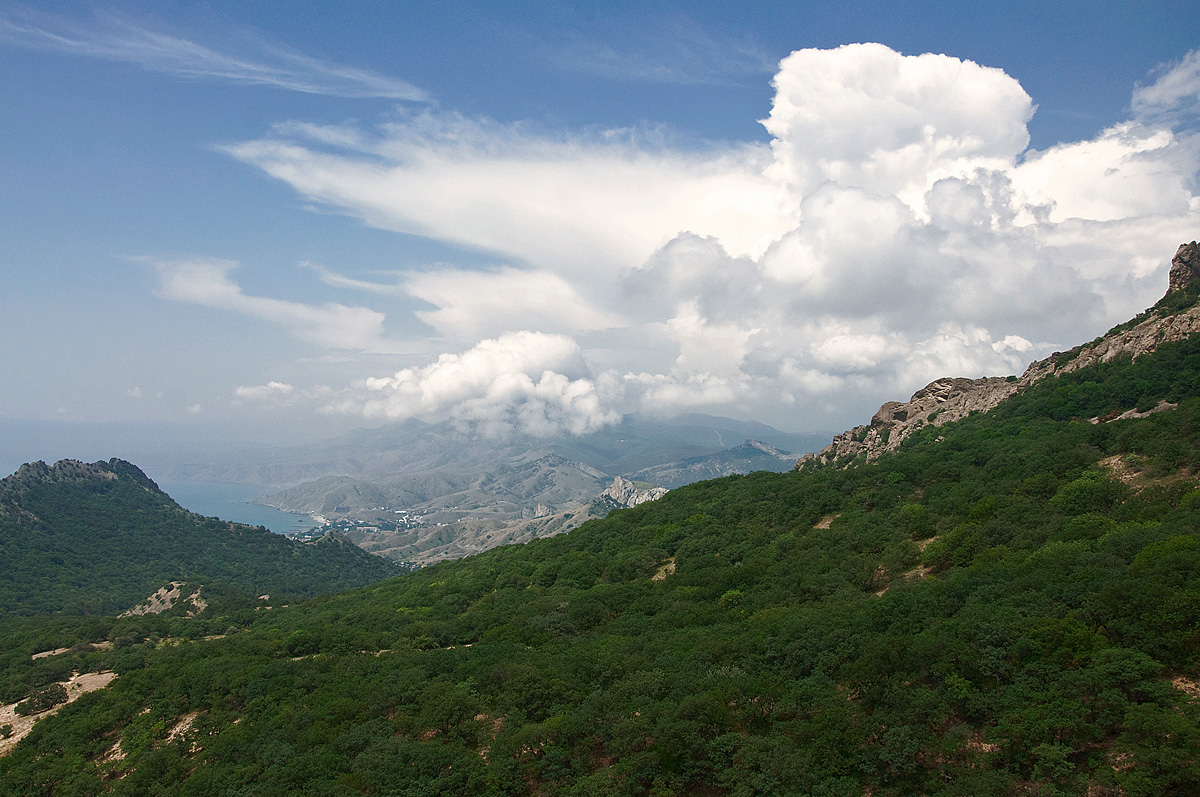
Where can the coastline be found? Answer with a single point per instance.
(235, 502)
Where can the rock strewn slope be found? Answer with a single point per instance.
(949, 399)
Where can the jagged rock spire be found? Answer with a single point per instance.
(1185, 266)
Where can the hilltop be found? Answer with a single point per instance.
(97, 538)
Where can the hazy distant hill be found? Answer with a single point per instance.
(412, 447)
(472, 493)
(748, 457)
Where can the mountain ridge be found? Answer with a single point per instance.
(949, 399)
(97, 537)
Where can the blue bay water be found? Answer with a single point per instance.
(232, 502)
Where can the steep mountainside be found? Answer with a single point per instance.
(1005, 605)
(942, 401)
(100, 537)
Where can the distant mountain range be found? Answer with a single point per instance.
(637, 443)
(748, 457)
(469, 493)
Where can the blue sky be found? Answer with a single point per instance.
(278, 220)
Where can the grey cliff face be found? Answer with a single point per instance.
(949, 399)
(624, 493)
(1185, 266)
(939, 402)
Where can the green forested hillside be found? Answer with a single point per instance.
(1008, 605)
(98, 538)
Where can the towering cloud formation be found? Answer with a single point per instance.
(863, 116)
(895, 229)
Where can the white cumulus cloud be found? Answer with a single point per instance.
(527, 382)
(260, 392)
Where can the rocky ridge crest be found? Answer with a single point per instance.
(30, 475)
(623, 492)
(950, 398)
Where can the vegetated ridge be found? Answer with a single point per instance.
(949, 399)
(98, 538)
(1004, 605)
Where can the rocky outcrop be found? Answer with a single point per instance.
(1135, 341)
(165, 599)
(939, 402)
(539, 511)
(622, 492)
(1185, 266)
(949, 399)
(1162, 406)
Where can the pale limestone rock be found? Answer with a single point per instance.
(1185, 266)
(623, 493)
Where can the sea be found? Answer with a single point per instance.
(232, 502)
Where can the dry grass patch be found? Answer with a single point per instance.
(1128, 469)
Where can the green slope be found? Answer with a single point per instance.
(1008, 605)
(96, 539)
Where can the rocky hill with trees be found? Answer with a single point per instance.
(942, 401)
(97, 538)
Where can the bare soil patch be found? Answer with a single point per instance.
(78, 685)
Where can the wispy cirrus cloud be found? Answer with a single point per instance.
(206, 282)
(336, 280)
(678, 51)
(251, 60)
(1176, 89)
